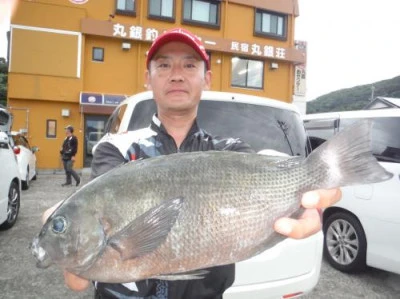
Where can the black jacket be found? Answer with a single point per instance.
(69, 147)
(151, 142)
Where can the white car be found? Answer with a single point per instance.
(363, 228)
(10, 184)
(292, 267)
(6, 119)
(26, 158)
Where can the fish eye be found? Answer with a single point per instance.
(59, 225)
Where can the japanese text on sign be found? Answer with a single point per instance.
(135, 32)
(255, 49)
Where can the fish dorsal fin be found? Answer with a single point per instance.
(280, 161)
(289, 162)
(144, 234)
(196, 274)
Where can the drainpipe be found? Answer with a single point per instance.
(222, 53)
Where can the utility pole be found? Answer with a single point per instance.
(372, 92)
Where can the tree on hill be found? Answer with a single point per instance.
(354, 98)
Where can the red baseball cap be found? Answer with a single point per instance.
(178, 35)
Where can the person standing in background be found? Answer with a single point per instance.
(68, 152)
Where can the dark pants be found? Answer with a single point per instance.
(69, 171)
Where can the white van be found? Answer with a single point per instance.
(292, 267)
(364, 227)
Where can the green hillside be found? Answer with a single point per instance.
(354, 98)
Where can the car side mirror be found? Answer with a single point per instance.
(35, 149)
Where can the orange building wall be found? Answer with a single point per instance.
(57, 14)
(47, 88)
(44, 79)
(44, 53)
(120, 73)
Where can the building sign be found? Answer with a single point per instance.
(258, 50)
(113, 100)
(135, 32)
(88, 98)
(300, 80)
(78, 1)
(301, 45)
(146, 34)
(91, 98)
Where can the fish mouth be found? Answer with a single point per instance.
(43, 260)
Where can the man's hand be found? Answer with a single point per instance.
(310, 222)
(75, 282)
(50, 211)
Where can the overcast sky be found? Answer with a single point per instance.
(350, 42)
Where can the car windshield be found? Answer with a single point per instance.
(4, 118)
(95, 136)
(263, 127)
(5, 121)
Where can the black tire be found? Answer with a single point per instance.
(34, 177)
(25, 184)
(345, 244)
(14, 201)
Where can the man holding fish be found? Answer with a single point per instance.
(178, 70)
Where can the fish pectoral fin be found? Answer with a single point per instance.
(148, 231)
(197, 274)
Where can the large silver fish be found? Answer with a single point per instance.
(168, 216)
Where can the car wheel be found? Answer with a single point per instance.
(25, 184)
(34, 177)
(13, 206)
(345, 244)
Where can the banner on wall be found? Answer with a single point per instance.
(300, 80)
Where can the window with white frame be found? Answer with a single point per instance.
(247, 73)
(161, 8)
(271, 24)
(126, 7)
(199, 11)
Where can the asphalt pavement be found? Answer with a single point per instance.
(19, 277)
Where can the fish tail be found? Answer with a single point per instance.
(346, 159)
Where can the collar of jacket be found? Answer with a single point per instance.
(158, 127)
